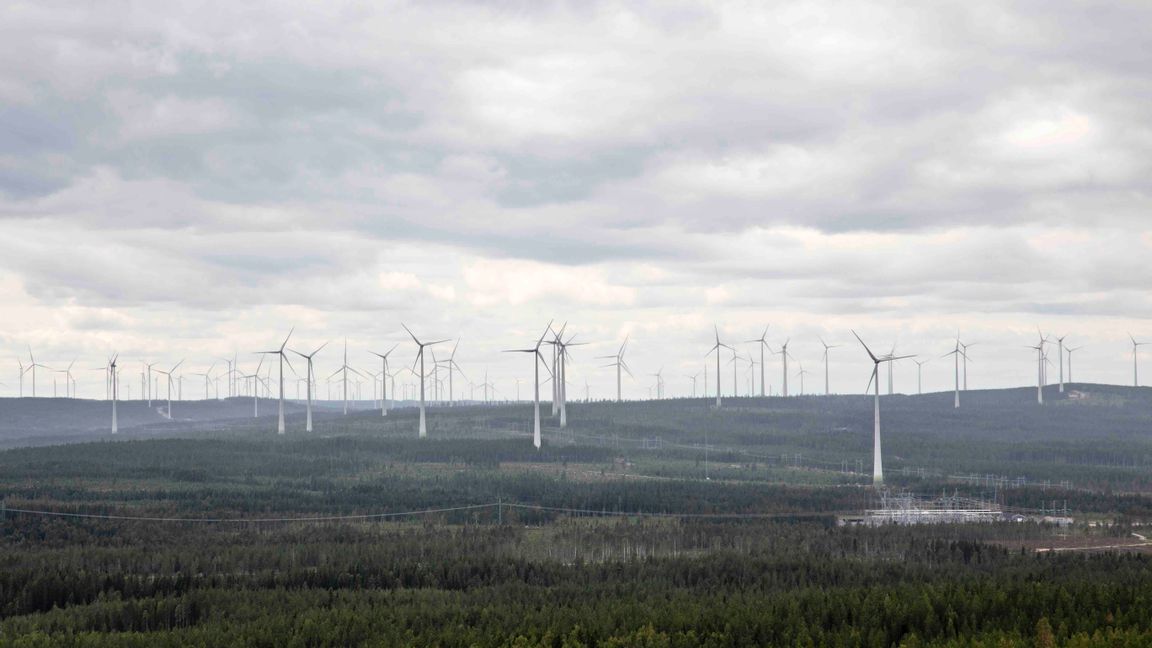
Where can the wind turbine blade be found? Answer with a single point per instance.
(411, 334)
(544, 334)
(290, 331)
(870, 354)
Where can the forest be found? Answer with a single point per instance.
(640, 524)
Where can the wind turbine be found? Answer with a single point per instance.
(1060, 342)
(716, 347)
(1069, 352)
(69, 382)
(32, 367)
(231, 377)
(151, 385)
(801, 374)
(877, 461)
(283, 359)
(735, 362)
(827, 383)
(693, 379)
(537, 358)
(956, 353)
(343, 371)
(207, 375)
(919, 374)
(1135, 365)
(169, 375)
(23, 371)
(1039, 369)
(560, 370)
(659, 383)
(255, 378)
(450, 363)
(115, 392)
(420, 358)
(783, 353)
(384, 367)
(761, 342)
(311, 375)
(618, 362)
(964, 358)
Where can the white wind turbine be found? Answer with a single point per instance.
(231, 377)
(801, 373)
(1135, 363)
(735, 362)
(1039, 368)
(1060, 342)
(919, 374)
(115, 391)
(207, 377)
(783, 353)
(761, 342)
(384, 377)
(964, 358)
(283, 358)
(169, 376)
(956, 353)
(560, 374)
(343, 371)
(659, 376)
(1069, 352)
(827, 382)
(716, 347)
(32, 367)
(877, 461)
(311, 376)
(537, 358)
(452, 367)
(255, 378)
(693, 379)
(23, 371)
(556, 335)
(69, 382)
(420, 359)
(619, 364)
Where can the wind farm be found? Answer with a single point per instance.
(576, 325)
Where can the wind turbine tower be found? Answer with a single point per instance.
(537, 359)
(877, 460)
(827, 382)
(784, 357)
(1135, 364)
(420, 359)
(716, 347)
(311, 376)
(956, 353)
(761, 342)
(283, 359)
(620, 365)
(384, 379)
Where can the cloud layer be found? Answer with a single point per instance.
(183, 180)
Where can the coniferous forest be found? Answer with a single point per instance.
(627, 528)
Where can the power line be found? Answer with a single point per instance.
(317, 518)
(499, 505)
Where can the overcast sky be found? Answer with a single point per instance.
(181, 180)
